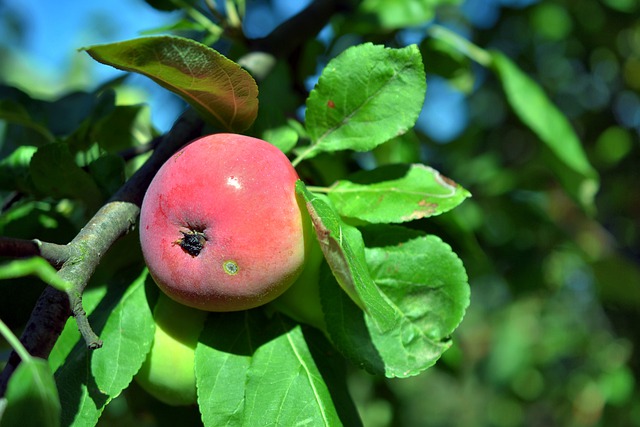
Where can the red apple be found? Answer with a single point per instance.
(221, 227)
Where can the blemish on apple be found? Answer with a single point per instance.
(230, 267)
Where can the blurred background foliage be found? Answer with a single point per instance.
(551, 337)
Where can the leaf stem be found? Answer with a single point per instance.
(303, 155)
(13, 341)
(472, 51)
(315, 189)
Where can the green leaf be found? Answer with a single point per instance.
(14, 170)
(125, 127)
(13, 112)
(345, 323)
(534, 108)
(127, 338)
(218, 88)
(223, 356)
(284, 385)
(108, 173)
(87, 381)
(427, 285)
(249, 367)
(364, 97)
(32, 397)
(394, 14)
(344, 251)
(284, 137)
(396, 193)
(70, 334)
(37, 267)
(55, 173)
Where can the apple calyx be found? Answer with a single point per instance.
(192, 242)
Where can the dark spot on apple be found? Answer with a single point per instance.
(192, 242)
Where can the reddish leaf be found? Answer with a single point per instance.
(218, 88)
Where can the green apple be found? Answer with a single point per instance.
(301, 301)
(168, 373)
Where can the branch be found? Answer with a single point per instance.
(20, 248)
(291, 34)
(116, 218)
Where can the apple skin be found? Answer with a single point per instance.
(221, 228)
(168, 372)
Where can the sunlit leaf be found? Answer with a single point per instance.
(70, 334)
(215, 86)
(127, 338)
(32, 397)
(223, 356)
(426, 284)
(364, 97)
(534, 108)
(82, 399)
(396, 193)
(284, 385)
(249, 368)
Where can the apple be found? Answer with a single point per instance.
(301, 301)
(221, 228)
(168, 373)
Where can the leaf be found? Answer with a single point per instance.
(223, 356)
(218, 88)
(86, 381)
(396, 193)
(345, 323)
(14, 112)
(108, 171)
(37, 267)
(14, 170)
(32, 397)
(536, 111)
(395, 14)
(70, 334)
(125, 127)
(343, 249)
(427, 285)
(284, 385)
(364, 97)
(249, 367)
(127, 338)
(55, 173)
